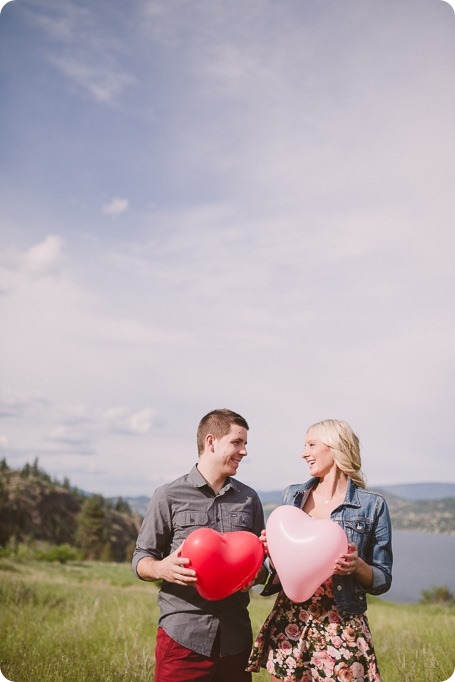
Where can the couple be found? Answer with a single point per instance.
(325, 637)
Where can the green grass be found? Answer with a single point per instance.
(94, 621)
(85, 621)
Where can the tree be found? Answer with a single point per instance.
(123, 507)
(26, 470)
(91, 525)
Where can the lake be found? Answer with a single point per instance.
(420, 561)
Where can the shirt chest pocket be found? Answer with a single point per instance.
(358, 531)
(188, 520)
(240, 520)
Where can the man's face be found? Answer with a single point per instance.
(229, 450)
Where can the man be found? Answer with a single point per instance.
(199, 639)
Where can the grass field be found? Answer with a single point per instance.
(92, 621)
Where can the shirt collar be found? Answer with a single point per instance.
(199, 481)
(197, 478)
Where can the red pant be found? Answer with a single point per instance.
(176, 663)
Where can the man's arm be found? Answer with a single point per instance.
(151, 558)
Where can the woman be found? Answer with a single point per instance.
(328, 636)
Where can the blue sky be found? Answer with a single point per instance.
(209, 204)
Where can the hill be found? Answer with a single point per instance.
(137, 504)
(35, 508)
(420, 491)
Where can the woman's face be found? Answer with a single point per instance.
(318, 456)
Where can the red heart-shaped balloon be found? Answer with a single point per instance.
(224, 562)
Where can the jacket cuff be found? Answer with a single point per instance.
(379, 583)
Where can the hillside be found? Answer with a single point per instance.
(429, 516)
(35, 508)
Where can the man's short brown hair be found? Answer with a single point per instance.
(218, 423)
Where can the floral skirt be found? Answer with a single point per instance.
(310, 642)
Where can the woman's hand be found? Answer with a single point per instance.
(351, 564)
(263, 539)
(347, 563)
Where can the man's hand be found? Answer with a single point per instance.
(171, 568)
(259, 578)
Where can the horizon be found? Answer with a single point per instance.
(243, 205)
(57, 480)
(376, 487)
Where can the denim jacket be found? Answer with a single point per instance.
(364, 516)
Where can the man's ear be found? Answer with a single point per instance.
(209, 439)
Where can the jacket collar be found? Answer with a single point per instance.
(352, 494)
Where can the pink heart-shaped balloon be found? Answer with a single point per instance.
(303, 550)
(224, 562)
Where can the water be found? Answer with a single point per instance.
(420, 562)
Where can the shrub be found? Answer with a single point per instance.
(437, 595)
(62, 554)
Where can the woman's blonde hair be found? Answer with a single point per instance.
(344, 443)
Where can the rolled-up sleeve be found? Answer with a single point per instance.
(154, 539)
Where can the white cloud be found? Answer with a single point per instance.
(141, 422)
(15, 404)
(45, 258)
(124, 420)
(116, 206)
(78, 424)
(83, 49)
(71, 438)
(106, 83)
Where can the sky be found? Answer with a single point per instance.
(244, 204)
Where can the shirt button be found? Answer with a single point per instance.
(339, 588)
(360, 596)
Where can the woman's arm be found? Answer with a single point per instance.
(373, 572)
